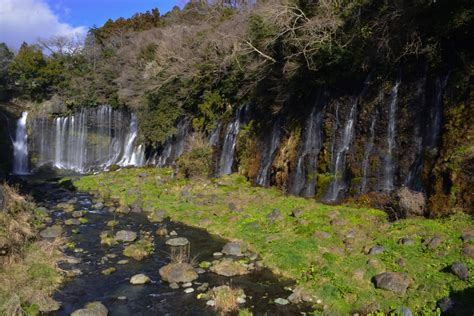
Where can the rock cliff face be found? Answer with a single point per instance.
(412, 131)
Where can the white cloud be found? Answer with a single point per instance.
(28, 20)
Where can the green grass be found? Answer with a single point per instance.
(337, 273)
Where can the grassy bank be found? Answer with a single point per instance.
(323, 247)
(28, 270)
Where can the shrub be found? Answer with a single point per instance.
(196, 162)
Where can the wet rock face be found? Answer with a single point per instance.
(178, 273)
(393, 281)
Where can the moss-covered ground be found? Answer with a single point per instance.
(324, 249)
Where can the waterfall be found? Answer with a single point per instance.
(90, 139)
(388, 162)
(228, 148)
(20, 147)
(338, 183)
(173, 147)
(214, 137)
(132, 155)
(367, 152)
(303, 179)
(264, 175)
(437, 112)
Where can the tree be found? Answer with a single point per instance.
(32, 75)
(6, 57)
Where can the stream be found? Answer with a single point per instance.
(156, 298)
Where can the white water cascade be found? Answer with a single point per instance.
(388, 162)
(88, 140)
(228, 148)
(303, 180)
(20, 147)
(369, 146)
(264, 175)
(338, 183)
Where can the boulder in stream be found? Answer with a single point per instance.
(139, 279)
(92, 309)
(228, 268)
(125, 236)
(51, 232)
(178, 273)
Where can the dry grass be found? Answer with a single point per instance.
(225, 299)
(28, 271)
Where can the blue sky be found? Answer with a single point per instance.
(30, 20)
(96, 12)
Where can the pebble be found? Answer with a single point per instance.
(174, 286)
(211, 303)
(281, 301)
(173, 233)
(217, 254)
(188, 284)
(189, 290)
(122, 298)
(122, 262)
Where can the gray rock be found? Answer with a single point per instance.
(177, 242)
(297, 213)
(274, 216)
(98, 206)
(203, 287)
(173, 233)
(157, 216)
(234, 248)
(468, 251)
(125, 236)
(434, 242)
(447, 306)
(77, 214)
(406, 241)
(178, 273)
(228, 268)
(52, 232)
(187, 284)
(189, 290)
(92, 309)
(300, 294)
(468, 235)
(321, 235)
(174, 286)
(376, 250)
(281, 301)
(460, 269)
(403, 311)
(139, 279)
(393, 281)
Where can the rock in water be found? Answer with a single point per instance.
(125, 236)
(177, 242)
(52, 232)
(460, 270)
(234, 248)
(393, 281)
(281, 301)
(139, 279)
(92, 309)
(228, 268)
(178, 273)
